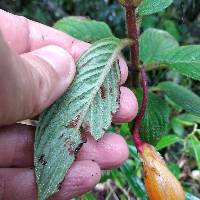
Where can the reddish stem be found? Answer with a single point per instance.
(133, 34)
(136, 137)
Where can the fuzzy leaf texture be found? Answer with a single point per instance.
(155, 122)
(84, 29)
(158, 48)
(185, 60)
(148, 7)
(154, 43)
(85, 108)
(182, 97)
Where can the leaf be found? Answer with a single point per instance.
(174, 168)
(154, 43)
(190, 196)
(187, 119)
(133, 180)
(185, 60)
(166, 141)
(86, 107)
(84, 29)
(182, 96)
(148, 7)
(194, 145)
(156, 119)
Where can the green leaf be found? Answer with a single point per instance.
(190, 196)
(134, 181)
(171, 26)
(185, 60)
(154, 43)
(86, 107)
(174, 168)
(166, 141)
(182, 96)
(187, 119)
(124, 129)
(194, 145)
(156, 119)
(84, 29)
(148, 7)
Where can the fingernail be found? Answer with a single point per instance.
(59, 59)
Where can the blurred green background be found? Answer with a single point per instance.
(182, 20)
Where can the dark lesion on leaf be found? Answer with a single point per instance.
(103, 91)
(60, 184)
(42, 159)
(73, 123)
(111, 90)
(78, 148)
(69, 146)
(84, 131)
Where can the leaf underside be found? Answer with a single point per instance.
(86, 108)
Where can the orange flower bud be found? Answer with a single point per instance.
(160, 183)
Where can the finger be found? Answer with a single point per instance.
(33, 81)
(123, 70)
(109, 152)
(17, 184)
(33, 35)
(16, 148)
(128, 106)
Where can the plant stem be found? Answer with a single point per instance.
(136, 137)
(133, 34)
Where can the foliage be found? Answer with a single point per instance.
(164, 47)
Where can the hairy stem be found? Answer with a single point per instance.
(136, 137)
(133, 34)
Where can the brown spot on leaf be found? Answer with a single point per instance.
(84, 131)
(84, 137)
(78, 148)
(42, 159)
(61, 136)
(103, 92)
(69, 146)
(60, 184)
(73, 122)
(111, 91)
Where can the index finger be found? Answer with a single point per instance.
(25, 35)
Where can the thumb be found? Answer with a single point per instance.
(31, 82)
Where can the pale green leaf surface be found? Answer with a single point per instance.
(182, 97)
(185, 60)
(194, 145)
(190, 196)
(84, 29)
(156, 119)
(154, 43)
(187, 119)
(175, 169)
(166, 141)
(148, 7)
(86, 107)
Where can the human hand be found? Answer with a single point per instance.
(37, 66)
